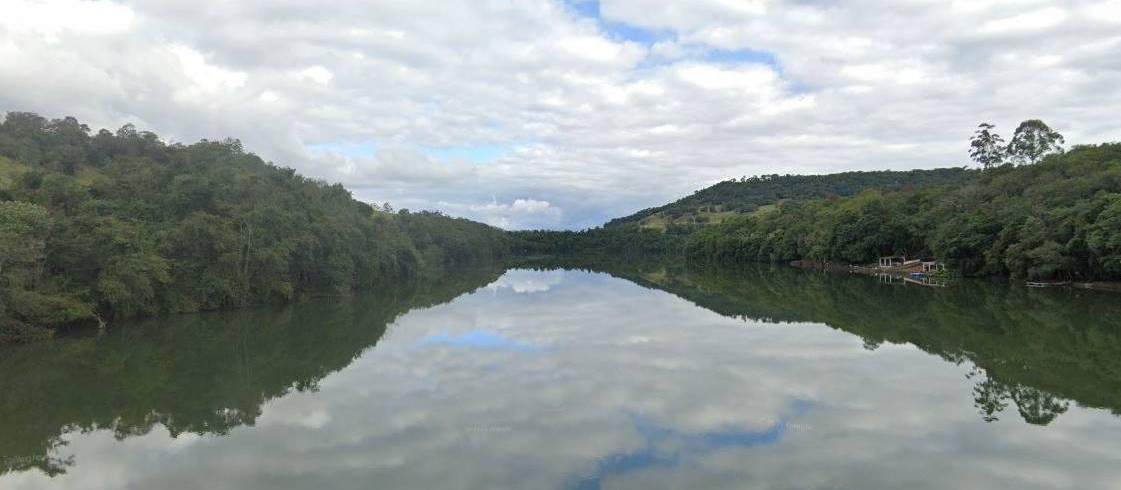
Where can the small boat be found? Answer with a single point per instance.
(1048, 284)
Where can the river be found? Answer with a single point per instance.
(641, 376)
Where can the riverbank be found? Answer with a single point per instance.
(1099, 286)
(829, 266)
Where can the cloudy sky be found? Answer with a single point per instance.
(562, 114)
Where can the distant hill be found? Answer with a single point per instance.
(746, 195)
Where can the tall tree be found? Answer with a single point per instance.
(986, 147)
(1034, 140)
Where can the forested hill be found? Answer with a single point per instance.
(746, 195)
(664, 229)
(1059, 218)
(1032, 211)
(118, 224)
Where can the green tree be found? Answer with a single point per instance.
(986, 147)
(1104, 235)
(140, 227)
(1032, 141)
(1036, 406)
(23, 233)
(129, 285)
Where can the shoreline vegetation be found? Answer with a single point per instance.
(97, 228)
(100, 227)
(834, 267)
(1032, 212)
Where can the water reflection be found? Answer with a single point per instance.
(1034, 349)
(192, 374)
(569, 379)
(480, 339)
(656, 439)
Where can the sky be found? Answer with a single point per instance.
(563, 114)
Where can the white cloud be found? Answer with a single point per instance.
(204, 78)
(52, 17)
(317, 74)
(580, 114)
(522, 213)
(523, 281)
(1028, 21)
(591, 47)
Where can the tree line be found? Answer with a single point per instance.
(629, 239)
(627, 235)
(1032, 141)
(110, 225)
(1034, 212)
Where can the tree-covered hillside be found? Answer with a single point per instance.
(629, 239)
(663, 230)
(1059, 218)
(1032, 211)
(745, 195)
(108, 225)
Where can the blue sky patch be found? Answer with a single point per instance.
(586, 8)
(479, 339)
(618, 30)
(649, 37)
(653, 455)
(477, 154)
(743, 56)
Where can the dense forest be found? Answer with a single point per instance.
(628, 239)
(1031, 211)
(107, 225)
(1059, 218)
(121, 224)
(663, 230)
(748, 194)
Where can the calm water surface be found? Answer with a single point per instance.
(644, 378)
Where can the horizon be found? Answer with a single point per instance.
(566, 114)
